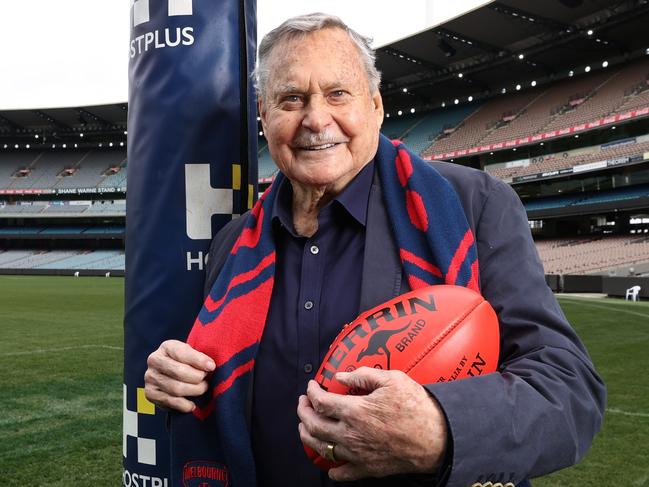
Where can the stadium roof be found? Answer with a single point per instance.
(67, 119)
(510, 42)
(60, 124)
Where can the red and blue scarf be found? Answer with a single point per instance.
(436, 246)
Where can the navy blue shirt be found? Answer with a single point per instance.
(316, 291)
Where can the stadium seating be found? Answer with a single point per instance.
(637, 98)
(111, 262)
(117, 180)
(11, 231)
(563, 161)
(34, 207)
(9, 258)
(428, 127)
(10, 162)
(620, 194)
(31, 231)
(59, 207)
(105, 208)
(607, 98)
(90, 169)
(615, 195)
(561, 105)
(78, 261)
(396, 126)
(62, 259)
(591, 255)
(104, 230)
(45, 170)
(539, 113)
(551, 202)
(475, 128)
(40, 258)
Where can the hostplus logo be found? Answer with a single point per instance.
(145, 447)
(202, 200)
(170, 37)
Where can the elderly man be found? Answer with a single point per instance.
(326, 242)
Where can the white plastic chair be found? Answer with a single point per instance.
(633, 293)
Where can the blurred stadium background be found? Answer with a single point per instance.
(552, 97)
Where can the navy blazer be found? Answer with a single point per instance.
(540, 412)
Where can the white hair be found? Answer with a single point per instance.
(302, 25)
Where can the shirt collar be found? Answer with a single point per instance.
(357, 193)
(353, 198)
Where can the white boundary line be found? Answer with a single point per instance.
(627, 413)
(62, 349)
(585, 302)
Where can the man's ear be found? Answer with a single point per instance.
(377, 100)
(262, 112)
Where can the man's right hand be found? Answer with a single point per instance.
(175, 371)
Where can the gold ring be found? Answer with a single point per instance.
(329, 452)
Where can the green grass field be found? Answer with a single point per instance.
(61, 376)
(61, 372)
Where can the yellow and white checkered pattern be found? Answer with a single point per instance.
(146, 448)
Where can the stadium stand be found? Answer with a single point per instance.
(538, 114)
(622, 194)
(636, 97)
(421, 134)
(117, 207)
(555, 162)
(38, 258)
(396, 126)
(604, 100)
(62, 259)
(90, 171)
(20, 231)
(472, 130)
(105, 207)
(43, 170)
(114, 261)
(10, 162)
(115, 178)
(63, 210)
(589, 255)
(62, 230)
(62, 169)
(561, 105)
(9, 258)
(22, 208)
(82, 260)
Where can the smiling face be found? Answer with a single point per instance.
(318, 115)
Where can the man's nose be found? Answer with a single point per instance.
(317, 115)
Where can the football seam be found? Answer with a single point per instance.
(440, 338)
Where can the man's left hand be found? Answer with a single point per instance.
(397, 427)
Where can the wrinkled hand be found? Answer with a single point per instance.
(398, 427)
(176, 370)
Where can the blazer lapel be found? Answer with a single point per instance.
(382, 272)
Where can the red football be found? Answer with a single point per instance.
(434, 334)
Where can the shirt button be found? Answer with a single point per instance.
(308, 368)
(308, 305)
(314, 249)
